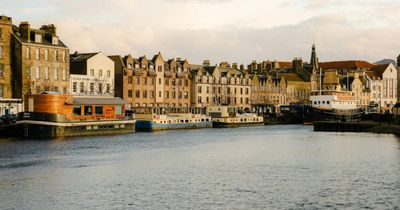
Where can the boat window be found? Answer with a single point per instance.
(77, 110)
(328, 102)
(118, 110)
(99, 110)
(88, 110)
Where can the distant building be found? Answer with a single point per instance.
(383, 81)
(41, 61)
(153, 83)
(92, 74)
(220, 85)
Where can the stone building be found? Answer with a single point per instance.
(220, 85)
(268, 93)
(153, 82)
(92, 74)
(41, 61)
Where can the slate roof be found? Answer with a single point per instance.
(378, 70)
(352, 64)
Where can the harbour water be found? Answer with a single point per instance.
(245, 168)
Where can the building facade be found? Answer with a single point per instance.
(154, 82)
(220, 85)
(41, 61)
(383, 81)
(92, 74)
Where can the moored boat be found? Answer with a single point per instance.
(52, 115)
(162, 118)
(229, 117)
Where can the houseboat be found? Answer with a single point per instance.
(168, 118)
(52, 115)
(231, 117)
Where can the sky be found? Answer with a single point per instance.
(236, 31)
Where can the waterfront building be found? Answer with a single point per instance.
(92, 74)
(220, 85)
(383, 81)
(153, 82)
(346, 66)
(268, 93)
(41, 61)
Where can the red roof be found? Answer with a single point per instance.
(346, 65)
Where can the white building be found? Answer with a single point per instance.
(92, 74)
(383, 84)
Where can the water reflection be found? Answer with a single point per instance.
(247, 168)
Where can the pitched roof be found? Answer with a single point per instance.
(81, 57)
(352, 64)
(285, 64)
(379, 69)
(291, 77)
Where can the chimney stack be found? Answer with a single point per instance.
(25, 30)
(50, 29)
(206, 63)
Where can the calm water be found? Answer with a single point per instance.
(248, 168)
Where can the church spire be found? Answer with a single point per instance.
(314, 59)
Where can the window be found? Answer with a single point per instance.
(100, 88)
(74, 84)
(130, 94)
(98, 110)
(137, 94)
(55, 55)
(186, 95)
(199, 89)
(92, 72)
(88, 110)
(129, 65)
(100, 73)
(55, 74)
(37, 73)
(144, 81)
(159, 81)
(129, 80)
(173, 94)
(91, 87)
(38, 38)
(64, 56)
(144, 94)
(65, 90)
(46, 73)
(81, 87)
(166, 94)
(77, 110)
(166, 81)
(118, 110)
(37, 53)
(173, 82)
(1, 51)
(28, 53)
(55, 89)
(64, 72)
(199, 99)
(159, 94)
(151, 93)
(138, 80)
(54, 40)
(186, 82)
(46, 54)
(1, 70)
(151, 81)
(108, 73)
(160, 69)
(136, 66)
(1, 90)
(108, 88)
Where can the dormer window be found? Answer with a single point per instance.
(179, 69)
(136, 66)
(38, 38)
(54, 40)
(129, 65)
(151, 67)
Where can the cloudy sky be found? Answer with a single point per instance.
(221, 30)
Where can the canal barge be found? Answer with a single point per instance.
(230, 117)
(151, 119)
(52, 115)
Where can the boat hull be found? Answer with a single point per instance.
(236, 125)
(44, 129)
(150, 126)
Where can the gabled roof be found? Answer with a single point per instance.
(352, 64)
(81, 57)
(292, 77)
(378, 70)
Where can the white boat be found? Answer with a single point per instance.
(228, 116)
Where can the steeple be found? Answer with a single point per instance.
(314, 59)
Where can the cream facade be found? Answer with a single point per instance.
(92, 74)
(220, 85)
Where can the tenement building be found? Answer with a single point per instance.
(153, 82)
(92, 74)
(220, 85)
(41, 61)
